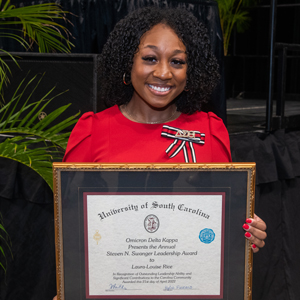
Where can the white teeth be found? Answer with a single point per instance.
(159, 89)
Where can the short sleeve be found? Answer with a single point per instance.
(79, 144)
(220, 145)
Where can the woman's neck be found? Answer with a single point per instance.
(143, 113)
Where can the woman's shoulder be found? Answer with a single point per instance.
(79, 144)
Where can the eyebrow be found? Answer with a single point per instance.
(156, 48)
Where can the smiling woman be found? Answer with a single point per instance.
(156, 71)
(151, 29)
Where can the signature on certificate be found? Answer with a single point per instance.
(117, 286)
(178, 287)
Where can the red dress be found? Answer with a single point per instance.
(109, 137)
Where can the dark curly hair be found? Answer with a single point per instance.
(118, 52)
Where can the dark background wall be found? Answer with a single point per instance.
(252, 49)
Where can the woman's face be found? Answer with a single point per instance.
(159, 68)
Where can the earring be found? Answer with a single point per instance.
(124, 79)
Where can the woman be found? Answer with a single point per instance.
(156, 71)
(158, 68)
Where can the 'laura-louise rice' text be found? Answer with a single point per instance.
(152, 267)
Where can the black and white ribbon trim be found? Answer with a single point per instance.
(183, 139)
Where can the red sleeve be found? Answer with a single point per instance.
(79, 144)
(220, 139)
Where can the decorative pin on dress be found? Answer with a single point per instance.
(183, 139)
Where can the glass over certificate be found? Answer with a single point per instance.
(149, 244)
(153, 231)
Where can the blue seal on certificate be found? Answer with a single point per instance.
(206, 235)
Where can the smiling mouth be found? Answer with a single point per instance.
(159, 89)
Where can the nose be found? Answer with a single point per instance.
(162, 70)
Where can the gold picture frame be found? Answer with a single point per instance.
(72, 180)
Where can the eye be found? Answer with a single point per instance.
(150, 59)
(178, 62)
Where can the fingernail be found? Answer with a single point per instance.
(248, 235)
(253, 246)
(246, 226)
(248, 221)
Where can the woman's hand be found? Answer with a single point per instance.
(55, 298)
(255, 232)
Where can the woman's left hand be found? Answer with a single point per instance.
(255, 232)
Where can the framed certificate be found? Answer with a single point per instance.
(153, 231)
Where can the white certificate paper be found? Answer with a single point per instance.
(159, 244)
